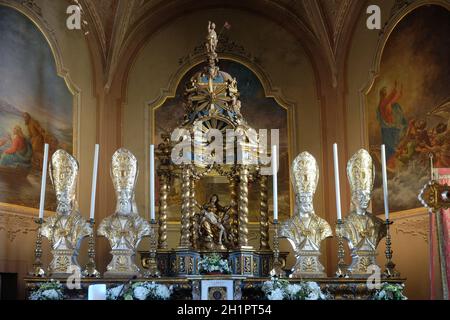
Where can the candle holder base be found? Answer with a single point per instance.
(38, 268)
(277, 269)
(342, 268)
(38, 271)
(390, 271)
(152, 267)
(90, 271)
(152, 263)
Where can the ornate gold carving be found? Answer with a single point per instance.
(234, 211)
(185, 240)
(243, 206)
(264, 214)
(361, 172)
(305, 174)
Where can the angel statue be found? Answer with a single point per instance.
(212, 39)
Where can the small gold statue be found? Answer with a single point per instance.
(214, 225)
(306, 230)
(125, 228)
(66, 228)
(360, 228)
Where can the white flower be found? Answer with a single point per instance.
(276, 294)
(114, 292)
(141, 293)
(312, 296)
(162, 292)
(293, 289)
(313, 286)
(51, 294)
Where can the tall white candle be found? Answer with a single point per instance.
(94, 182)
(385, 181)
(275, 182)
(152, 183)
(43, 182)
(336, 181)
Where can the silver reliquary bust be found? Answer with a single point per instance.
(360, 228)
(66, 228)
(305, 231)
(125, 228)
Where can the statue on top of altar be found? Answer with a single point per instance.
(67, 227)
(305, 231)
(214, 225)
(125, 228)
(360, 228)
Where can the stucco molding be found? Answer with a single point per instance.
(15, 224)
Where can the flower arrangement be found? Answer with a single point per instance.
(51, 290)
(279, 289)
(214, 264)
(140, 291)
(390, 291)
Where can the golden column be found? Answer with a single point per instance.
(243, 207)
(192, 203)
(233, 210)
(163, 195)
(185, 240)
(264, 214)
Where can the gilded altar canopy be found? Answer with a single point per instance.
(63, 173)
(361, 171)
(305, 173)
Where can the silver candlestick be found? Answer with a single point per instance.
(277, 270)
(342, 266)
(90, 270)
(38, 269)
(390, 271)
(152, 265)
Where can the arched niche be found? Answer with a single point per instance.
(262, 110)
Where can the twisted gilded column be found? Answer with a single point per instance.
(243, 207)
(192, 203)
(185, 240)
(233, 211)
(163, 195)
(264, 214)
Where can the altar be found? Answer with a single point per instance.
(214, 259)
(240, 288)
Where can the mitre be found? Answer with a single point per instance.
(305, 173)
(361, 171)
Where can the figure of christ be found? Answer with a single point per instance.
(37, 138)
(19, 153)
(391, 118)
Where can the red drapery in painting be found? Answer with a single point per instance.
(443, 175)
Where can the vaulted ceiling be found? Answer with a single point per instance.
(326, 23)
